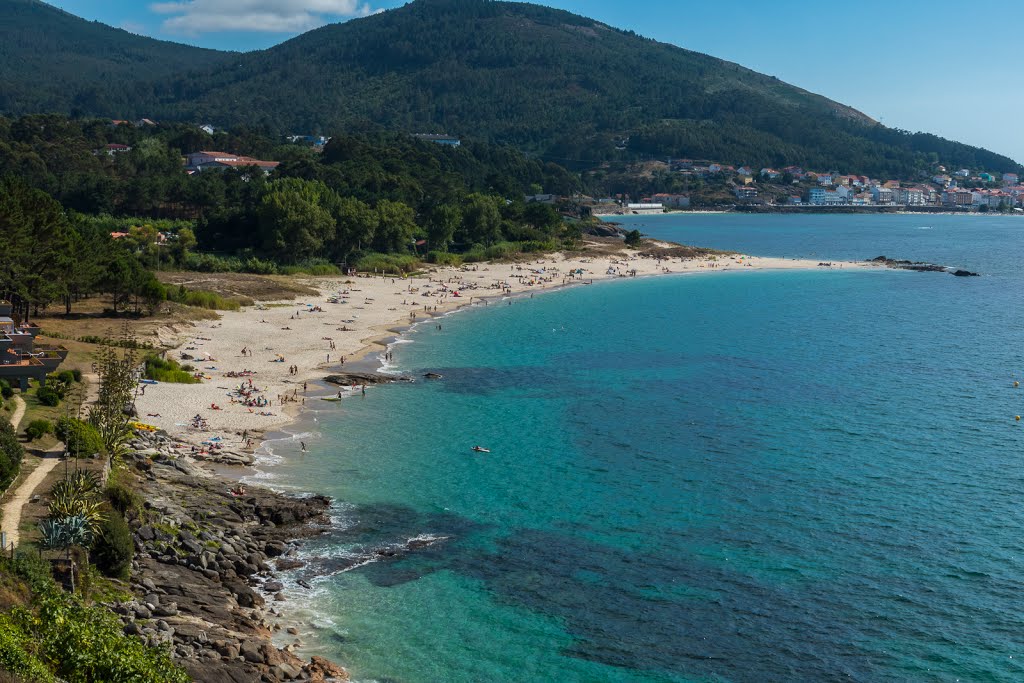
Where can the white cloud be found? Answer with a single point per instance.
(191, 17)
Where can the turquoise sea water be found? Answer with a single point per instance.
(749, 476)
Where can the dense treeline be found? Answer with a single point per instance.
(50, 257)
(63, 196)
(570, 89)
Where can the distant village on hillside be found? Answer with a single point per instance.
(793, 187)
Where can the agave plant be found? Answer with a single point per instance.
(64, 507)
(64, 533)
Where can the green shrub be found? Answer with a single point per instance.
(208, 263)
(443, 258)
(123, 499)
(68, 377)
(537, 246)
(55, 382)
(48, 396)
(112, 549)
(76, 374)
(82, 439)
(317, 268)
(474, 255)
(166, 370)
(5, 389)
(76, 642)
(259, 266)
(395, 264)
(16, 652)
(11, 454)
(37, 429)
(208, 300)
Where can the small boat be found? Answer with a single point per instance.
(330, 398)
(481, 449)
(148, 381)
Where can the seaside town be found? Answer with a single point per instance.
(792, 187)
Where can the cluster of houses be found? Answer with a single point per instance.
(833, 189)
(20, 358)
(853, 190)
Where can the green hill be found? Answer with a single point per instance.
(52, 61)
(561, 86)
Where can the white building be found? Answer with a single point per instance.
(882, 195)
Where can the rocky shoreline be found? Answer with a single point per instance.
(204, 569)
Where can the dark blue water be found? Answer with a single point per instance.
(747, 476)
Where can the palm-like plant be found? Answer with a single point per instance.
(78, 484)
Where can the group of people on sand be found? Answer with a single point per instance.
(293, 369)
(246, 352)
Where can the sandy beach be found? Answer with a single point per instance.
(289, 345)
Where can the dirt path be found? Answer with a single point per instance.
(19, 411)
(11, 520)
(12, 508)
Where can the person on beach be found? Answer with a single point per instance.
(303, 444)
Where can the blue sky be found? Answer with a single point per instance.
(939, 66)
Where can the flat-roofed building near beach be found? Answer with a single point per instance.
(20, 359)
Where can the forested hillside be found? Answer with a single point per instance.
(52, 61)
(553, 84)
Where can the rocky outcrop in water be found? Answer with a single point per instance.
(920, 266)
(355, 379)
